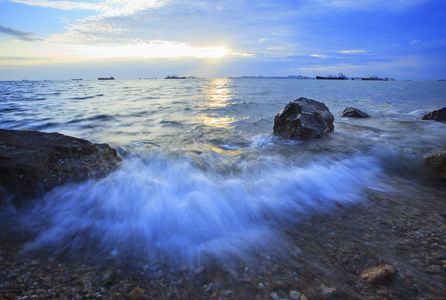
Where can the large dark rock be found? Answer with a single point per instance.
(437, 162)
(303, 119)
(351, 112)
(437, 115)
(32, 163)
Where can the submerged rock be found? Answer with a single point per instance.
(32, 163)
(437, 115)
(437, 162)
(351, 112)
(378, 274)
(303, 119)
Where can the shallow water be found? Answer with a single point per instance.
(202, 174)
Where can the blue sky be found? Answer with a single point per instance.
(48, 39)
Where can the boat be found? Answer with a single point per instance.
(374, 77)
(106, 78)
(76, 79)
(339, 76)
(174, 77)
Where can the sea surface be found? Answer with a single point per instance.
(202, 175)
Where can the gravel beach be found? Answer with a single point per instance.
(322, 257)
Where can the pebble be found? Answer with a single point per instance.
(380, 273)
(295, 295)
(274, 296)
(434, 269)
(136, 293)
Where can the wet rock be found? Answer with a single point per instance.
(329, 293)
(274, 296)
(437, 162)
(437, 115)
(295, 295)
(136, 293)
(213, 287)
(434, 269)
(32, 163)
(380, 273)
(351, 112)
(303, 119)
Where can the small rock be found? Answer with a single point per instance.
(136, 293)
(351, 112)
(274, 296)
(437, 115)
(380, 273)
(213, 287)
(416, 263)
(439, 256)
(437, 162)
(295, 295)
(434, 269)
(329, 293)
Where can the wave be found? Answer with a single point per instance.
(101, 117)
(169, 209)
(87, 97)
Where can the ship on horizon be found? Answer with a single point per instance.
(374, 77)
(106, 78)
(174, 77)
(339, 76)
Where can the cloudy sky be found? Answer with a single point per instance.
(50, 39)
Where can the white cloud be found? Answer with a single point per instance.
(351, 51)
(320, 55)
(106, 8)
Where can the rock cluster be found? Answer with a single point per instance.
(33, 162)
(303, 119)
(351, 112)
(437, 115)
(437, 162)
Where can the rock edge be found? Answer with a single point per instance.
(33, 162)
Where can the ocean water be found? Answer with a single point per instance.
(202, 175)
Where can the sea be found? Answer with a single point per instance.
(202, 173)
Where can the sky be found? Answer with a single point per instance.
(129, 39)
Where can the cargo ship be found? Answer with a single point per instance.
(339, 76)
(174, 77)
(374, 77)
(106, 78)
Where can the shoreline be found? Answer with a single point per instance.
(321, 258)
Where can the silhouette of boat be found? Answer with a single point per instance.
(106, 78)
(174, 77)
(339, 76)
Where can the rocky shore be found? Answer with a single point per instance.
(391, 247)
(320, 258)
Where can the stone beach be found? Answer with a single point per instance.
(322, 258)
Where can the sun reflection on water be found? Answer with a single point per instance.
(218, 95)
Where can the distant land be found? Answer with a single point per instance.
(274, 77)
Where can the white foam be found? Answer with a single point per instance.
(170, 209)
